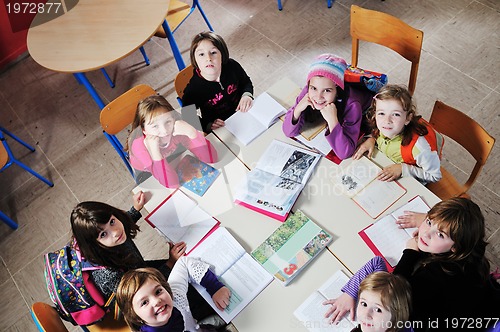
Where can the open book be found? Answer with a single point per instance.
(386, 239)
(312, 311)
(359, 182)
(291, 247)
(235, 268)
(249, 125)
(179, 218)
(195, 175)
(273, 186)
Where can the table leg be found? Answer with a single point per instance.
(173, 45)
(81, 78)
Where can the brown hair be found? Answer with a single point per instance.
(215, 39)
(130, 284)
(147, 109)
(87, 220)
(402, 95)
(465, 224)
(395, 294)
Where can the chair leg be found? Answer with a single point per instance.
(329, 3)
(280, 7)
(11, 223)
(27, 168)
(20, 141)
(106, 76)
(82, 79)
(196, 3)
(173, 45)
(144, 55)
(119, 149)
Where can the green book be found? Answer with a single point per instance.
(291, 247)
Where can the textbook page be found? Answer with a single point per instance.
(319, 142)
(235, 268)
(179, 218)
(311, 312)
(357, 176)
(288, 161)
(246, 126)
(386, 236)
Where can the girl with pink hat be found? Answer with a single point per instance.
(340, 105)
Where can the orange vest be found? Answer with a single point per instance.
(435, 140)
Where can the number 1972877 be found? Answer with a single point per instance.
(33, 8)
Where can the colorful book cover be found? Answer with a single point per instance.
(195, 175)
(291, 247)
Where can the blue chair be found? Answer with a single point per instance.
(7, 158)
(119, 114)
(178, 12)
(280, 7)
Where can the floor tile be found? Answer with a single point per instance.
(13, 306)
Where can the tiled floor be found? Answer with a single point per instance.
(459, 65)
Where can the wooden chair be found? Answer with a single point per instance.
(47, 319)
(389, 31)
(7, 158)
(119, 114)
(178, 12)
(181, 81)
(470, 135)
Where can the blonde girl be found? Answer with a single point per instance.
(150, 303)
(403, 136)
(157, 132)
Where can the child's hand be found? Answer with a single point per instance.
(412, 243)
(367, 145)
(176, 251)
(181, 127)
(339, 307)
(329, 113)
(411, 219)
(390, 173)
(221, 298)
(301, 107)
(152, 144)
(138, 199)
(217, 124)
(244, 104)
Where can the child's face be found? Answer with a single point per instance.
(433, 239)
(112, 233)
(371, 314)
(390, 117)
(322, 91)
(209, 60)
(161, 126)
(153, 304)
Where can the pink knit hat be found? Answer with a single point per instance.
(329, 66)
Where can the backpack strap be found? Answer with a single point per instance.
(435, 140)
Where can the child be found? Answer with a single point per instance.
(326, 96)
(446, 268)
(219, 85)
(157, 131)
(402, 136)
(150, 303)
(104, 236)
(384, 302)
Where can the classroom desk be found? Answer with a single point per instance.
(320, 200)
(93, 35)
(273, 309)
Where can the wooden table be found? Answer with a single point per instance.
(94, 34)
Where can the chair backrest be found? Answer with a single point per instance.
(178, 11)
(46, 318)
(120, 113)
(466, 132)
(389, 31)
(182, 79)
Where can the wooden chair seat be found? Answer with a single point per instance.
(447, 187)
(177, 12)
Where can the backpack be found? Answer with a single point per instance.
(371, 80)
(74, 295)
